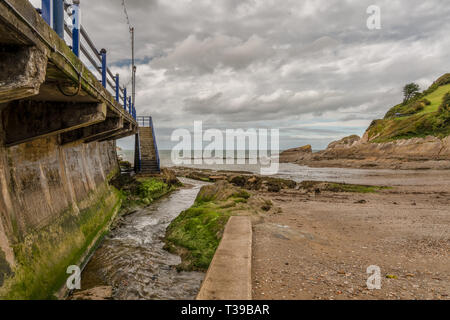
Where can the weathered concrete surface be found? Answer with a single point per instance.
(22, 72)
(35, 63)
(44, 119)
(55, 202)
(93, 132)
(229, 276)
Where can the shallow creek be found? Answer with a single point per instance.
(132, 259)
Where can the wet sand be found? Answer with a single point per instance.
(318, 246)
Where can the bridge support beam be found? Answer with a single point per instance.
(127, 131)
(27, 120)
(126, 128)
(22, 72)
(109, 126)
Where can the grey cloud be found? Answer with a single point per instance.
(269, 62)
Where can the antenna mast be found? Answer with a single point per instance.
(133, 68)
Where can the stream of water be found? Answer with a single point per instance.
(132, 259)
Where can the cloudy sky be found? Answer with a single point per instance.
(311, 68)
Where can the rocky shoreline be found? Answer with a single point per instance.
(355, 152)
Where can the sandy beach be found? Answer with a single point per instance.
(318, 244)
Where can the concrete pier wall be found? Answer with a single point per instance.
(55, 203)
(58, 127)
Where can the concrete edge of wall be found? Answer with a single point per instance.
(229, 276)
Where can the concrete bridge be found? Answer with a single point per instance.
(45, 89)
(58, 127)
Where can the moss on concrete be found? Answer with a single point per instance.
(5, 269)
(141, 191)
(43, 256)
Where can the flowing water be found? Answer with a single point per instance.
(132, 259)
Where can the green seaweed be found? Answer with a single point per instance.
(196, 233)
(43, 256)
(356, 188)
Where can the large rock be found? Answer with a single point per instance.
(346, 142)
(296, 154)
(428, 148)
(169, 177)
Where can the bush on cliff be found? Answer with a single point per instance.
(422, 116)
(445, 106)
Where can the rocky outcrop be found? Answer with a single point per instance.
(296, 154)
(354, 152)
(429, 148)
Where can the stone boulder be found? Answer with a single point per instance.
(169, 177)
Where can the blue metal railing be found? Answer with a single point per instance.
(54, 12)
(146, 121)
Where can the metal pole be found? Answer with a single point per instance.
(125, 99)
(58, 17)
(133, 67)
(117, 88)
(76, 27)
(104, 67)
(47, 12)
(129, 105)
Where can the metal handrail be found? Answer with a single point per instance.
(155, 144)
(108, 79)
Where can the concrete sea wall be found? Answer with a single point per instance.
(55, 204)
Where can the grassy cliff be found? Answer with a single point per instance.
(427, 114)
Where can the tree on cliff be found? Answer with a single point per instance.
(445, 106)
(410, 90)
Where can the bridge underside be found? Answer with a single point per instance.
(45, 89)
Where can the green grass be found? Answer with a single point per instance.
(416, 126)
(420, 117)
(436, 99)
